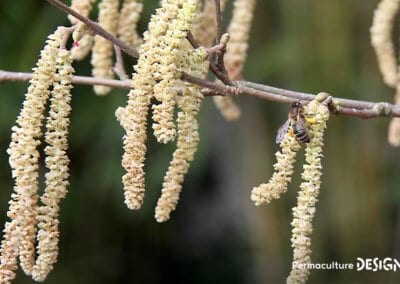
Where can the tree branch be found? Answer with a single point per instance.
(221, 52)
(362, 109)
(96, 28)
(79, 80)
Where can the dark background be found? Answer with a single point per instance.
(217, 235)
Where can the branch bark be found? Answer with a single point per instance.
(362, 109)
(79, 80)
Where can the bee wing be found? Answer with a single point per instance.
(282, 131)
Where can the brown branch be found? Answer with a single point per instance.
(218, 20)
(362, 109)
(79, 80)
(119, 67)
(192, 40)
(220, 53)
(96, 28)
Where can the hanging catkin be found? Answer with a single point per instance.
(56, 179)
(24, 162)
(128, 21)
(102, 51)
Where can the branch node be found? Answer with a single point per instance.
(382, 109)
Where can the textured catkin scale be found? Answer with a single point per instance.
(20, 232)
(304, 212)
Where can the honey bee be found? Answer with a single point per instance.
(297, 122)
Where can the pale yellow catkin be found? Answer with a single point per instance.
(83, 42)
(381, 39)
(304, 212)
(183, 16)
(57, 161)
(194, 63)
(81, 35)
(188, 138)
(133, 117)
(20, 232)
(239, 30)
(278, 183)
(204, 29)
(102, 51)
(128, 21)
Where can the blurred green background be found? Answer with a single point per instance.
(217, 235)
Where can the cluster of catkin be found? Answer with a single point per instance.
(121, 22)
(317, 112)
(164, 54)
(32, 232)
(31, 235)
(382, 42)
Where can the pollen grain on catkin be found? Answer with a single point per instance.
(20, 231)
(57, 162)
(304, 212)
(102, 51)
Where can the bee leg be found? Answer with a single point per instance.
(290, 131)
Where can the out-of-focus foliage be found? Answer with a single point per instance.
(216, 234)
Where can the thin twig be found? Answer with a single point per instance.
(218, 20)
(119, 67)
(79, 80)
(96, 28)
(215, 48)
(221, 52)
(192, 40)
(67, 34)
